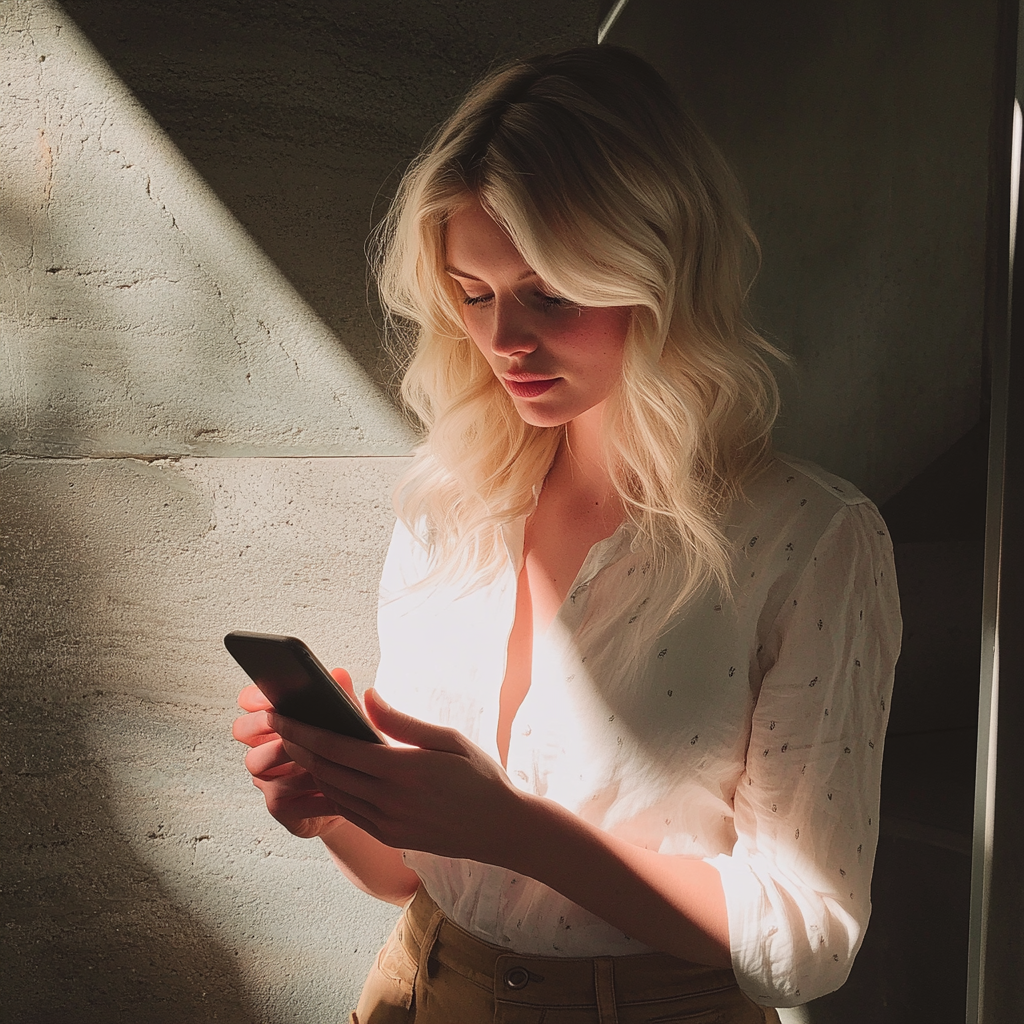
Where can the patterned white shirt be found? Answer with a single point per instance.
(749, 734)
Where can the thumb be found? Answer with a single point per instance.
(409, 730)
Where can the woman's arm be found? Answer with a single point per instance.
(444, 795)
(672, 903)
(370, 865)
(294, 799)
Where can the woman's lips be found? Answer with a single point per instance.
(530, 388)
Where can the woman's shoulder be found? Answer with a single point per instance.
(784, 476)
(796, 521)
(792, 501)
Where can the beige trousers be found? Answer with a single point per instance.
(431, 971)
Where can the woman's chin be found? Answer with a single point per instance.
(538, 416)
(550, 413)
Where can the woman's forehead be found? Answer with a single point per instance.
(477, 246)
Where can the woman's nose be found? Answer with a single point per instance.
(512, 332)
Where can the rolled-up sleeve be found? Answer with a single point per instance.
(797, 883)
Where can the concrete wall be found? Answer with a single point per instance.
(186, 188)
(860, 132)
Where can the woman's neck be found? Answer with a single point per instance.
(579, 472)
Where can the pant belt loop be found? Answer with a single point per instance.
(604, 986)
(427, 945)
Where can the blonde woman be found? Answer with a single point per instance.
(637, 664)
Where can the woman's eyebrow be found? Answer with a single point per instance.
(455, 272)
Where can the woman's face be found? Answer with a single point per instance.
(556, 359)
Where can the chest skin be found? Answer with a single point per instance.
(559, 535)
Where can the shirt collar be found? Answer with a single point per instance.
(603, 553)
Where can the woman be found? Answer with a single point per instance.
(640, 665)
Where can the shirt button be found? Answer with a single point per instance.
(517, 977)
(527, 731)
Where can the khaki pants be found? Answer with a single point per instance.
(430, 971)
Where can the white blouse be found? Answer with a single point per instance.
(750, 735)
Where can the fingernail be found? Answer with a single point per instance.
(380, 700)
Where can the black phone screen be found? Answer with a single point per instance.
(297, 684)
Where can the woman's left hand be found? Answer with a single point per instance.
(441, 794)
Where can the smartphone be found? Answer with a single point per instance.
(298, 686)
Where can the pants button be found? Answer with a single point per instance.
(517, 977)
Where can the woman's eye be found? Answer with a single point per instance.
(543, 299)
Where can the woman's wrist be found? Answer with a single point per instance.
(534, 825)
(335, 829)
(377, 869)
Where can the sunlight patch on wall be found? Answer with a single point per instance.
(139, 318)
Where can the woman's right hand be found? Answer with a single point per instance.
(291, 793)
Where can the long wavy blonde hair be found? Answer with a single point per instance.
(615, 197)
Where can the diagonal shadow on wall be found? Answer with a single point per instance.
(90, 932)
(301, 117)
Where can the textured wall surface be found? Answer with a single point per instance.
(185, 191)
(140, 318)
(861, 135)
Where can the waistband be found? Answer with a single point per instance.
(427, 934)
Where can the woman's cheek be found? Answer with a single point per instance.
(477, 332)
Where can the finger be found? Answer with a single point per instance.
(314, 805)
(284, 771)
(340, 778)
(366, 824)
(267, 757)
(361, 755)
(362, 814)
(370, 819)
(282, 790)
(302, 797)
(252, 729)
(412, 731)
(344, 680)
(252, 698)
